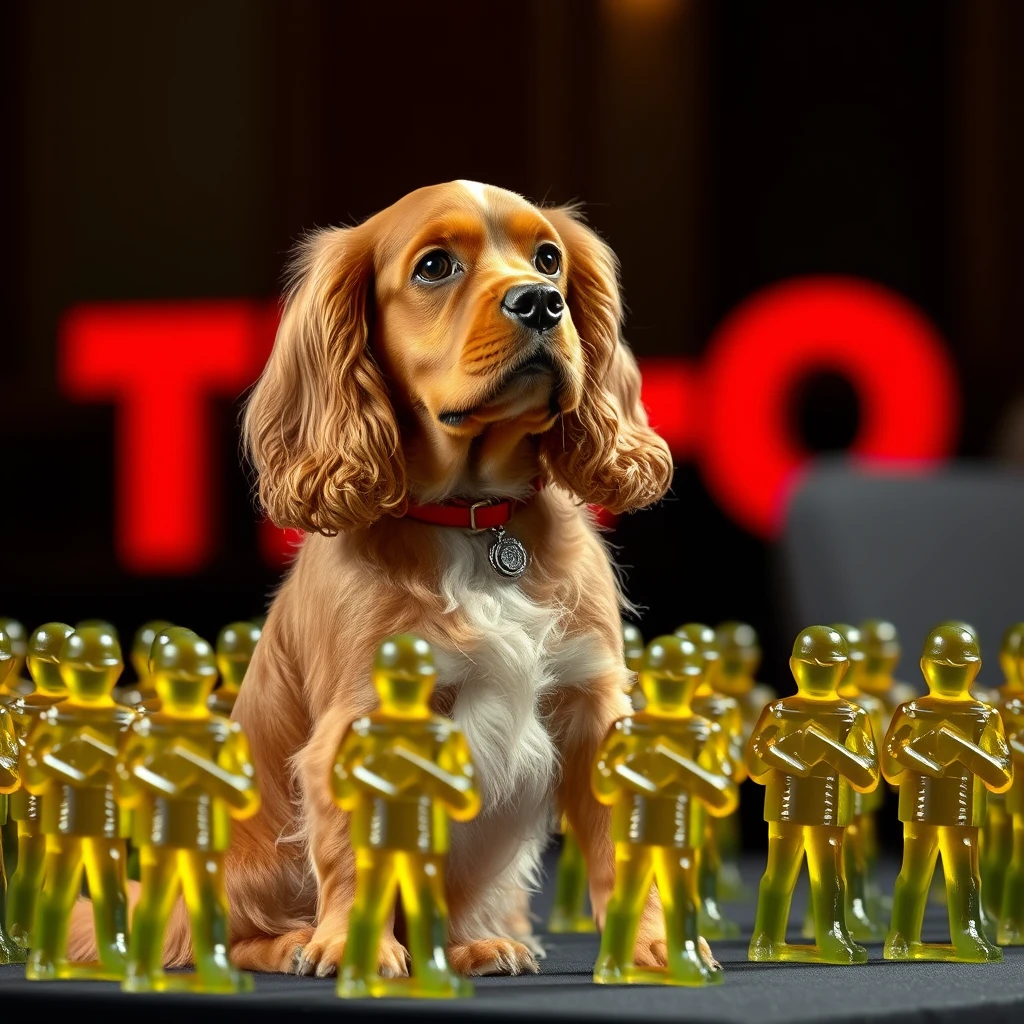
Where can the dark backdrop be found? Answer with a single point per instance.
(177, 150)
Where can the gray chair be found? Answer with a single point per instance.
(911, 547)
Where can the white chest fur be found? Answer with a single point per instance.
(520, 650)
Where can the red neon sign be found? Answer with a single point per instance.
(162, 363)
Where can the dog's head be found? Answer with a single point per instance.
(460, 341)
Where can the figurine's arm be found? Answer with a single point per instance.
(9, 778)
(455, 763)
(732, 745)
(717, 791)
(1016, 742)
(900, 754)
(765, 755)
(353, 773)
(127, 790)
(989, 759)
(858, 766)
(38, 766)
(235, 776)
(609, 775)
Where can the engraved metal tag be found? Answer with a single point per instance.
(508, 556)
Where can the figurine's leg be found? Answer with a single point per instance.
(63, 873)
(730, 883)
(105, 868)
(676, 872)
(160, 883)
(855, 866)
(202, 882)
(996, 855)
(569, 911)
(10, 951)
(872, 890)
(376, 881)
(422, 883)
(785, 854)
(634, 872)
(959, 846)
(828, 896)
(920, 848)
(1011, 921)
(713, 923)
(26, 882)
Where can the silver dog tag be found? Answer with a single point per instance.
(508, 556)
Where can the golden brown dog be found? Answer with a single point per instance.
(462, 344)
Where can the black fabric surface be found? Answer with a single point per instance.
(879, 992)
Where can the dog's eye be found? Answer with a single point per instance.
(548, 260)
(435, 266)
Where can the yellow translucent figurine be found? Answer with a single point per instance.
(882, 654)
(860, 848)
(569, 913)
(10, 951)
(944, 751)
(812, 752)
(1011, 913)
(726, 713)
(660, 769)
(142, 690)
(234, 652)
(17, 681)
(25, 807)
(401, 773)
(997, 832)
(69, 761)
(184, 773)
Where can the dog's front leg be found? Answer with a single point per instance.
(333, 861)
(581, 718)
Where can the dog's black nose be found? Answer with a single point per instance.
(537, 306)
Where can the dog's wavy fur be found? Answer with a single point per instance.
(345, 429)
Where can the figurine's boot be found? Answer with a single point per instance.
(569, 911)
(1011, 923)
(634, 872)
(202, 880)
(775, 894)
(828, 897)
(858, 916)
(426, 914)
(713, 923)
(677, 875)
(26, 884)
(996, 853)
(959, 845)
(10, 951)
(159, 871)
(376, 882)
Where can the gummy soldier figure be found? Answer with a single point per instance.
(659, 769)
(569, 912)
(944, 751)
(234, 652)
(882, 654)
(401, 773)
(10, 951)
(143, 690)
(860, 848)
(26, 807)
(17, 682)
(997, 832)
(812, 752)
(739, 658)
(69, 761)
(726, 713)
(184, 773)
(1011, 709)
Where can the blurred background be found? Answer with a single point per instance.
(817, 207)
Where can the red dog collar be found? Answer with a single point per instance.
(478, 516)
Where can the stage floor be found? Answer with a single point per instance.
(761, 994)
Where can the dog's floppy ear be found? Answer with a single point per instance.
(319, 426)
(603, 450)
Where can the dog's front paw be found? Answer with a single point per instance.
(322, 954)
(492, 956)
